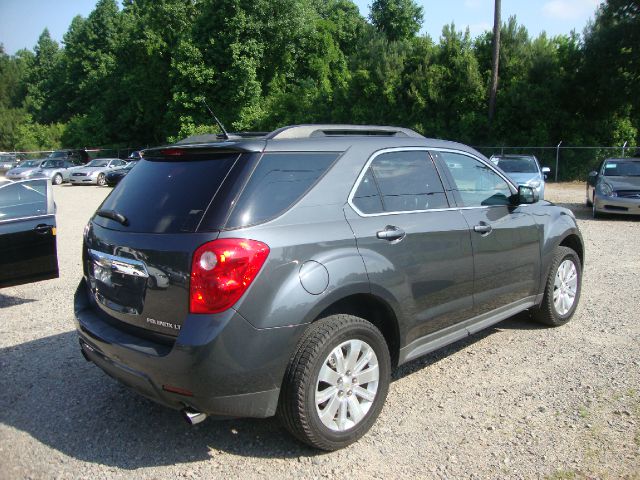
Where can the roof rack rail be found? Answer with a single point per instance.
(308, 131)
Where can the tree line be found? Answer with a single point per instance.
(135, 75)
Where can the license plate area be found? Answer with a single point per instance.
(118, 283)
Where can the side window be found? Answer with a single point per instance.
(477, 184)
(25, 199)
(408, 181)
(367, 199)
(278, 182)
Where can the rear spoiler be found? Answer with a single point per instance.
(204, 148)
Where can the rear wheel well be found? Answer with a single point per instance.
(374, 310)
(573, 242)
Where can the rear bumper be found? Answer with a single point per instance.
(624, 206)
(231, 368)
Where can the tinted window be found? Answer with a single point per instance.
(25, 199)
(279, 181)
(477, 184)
(408, 181)
(167, 196)
(367, 199)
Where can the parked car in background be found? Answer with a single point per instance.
(27, 232)
(7, 162)
(615, 187)
(135, 155)
(95, 172)
(77, 156)
(114, 176)
(319, 257)
(524, 169)
(24, 169)
(58, 171)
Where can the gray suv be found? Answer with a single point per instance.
(301, 266)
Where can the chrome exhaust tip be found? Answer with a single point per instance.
(193, 418)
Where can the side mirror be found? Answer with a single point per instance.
(592, 178)
(527, 195)
(546, 170)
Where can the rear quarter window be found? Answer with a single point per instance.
(277, 183)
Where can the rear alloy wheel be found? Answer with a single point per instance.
(562, 290)
(102, 181)
(336, 382)
(57, 179)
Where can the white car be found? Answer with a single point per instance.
(94, 172)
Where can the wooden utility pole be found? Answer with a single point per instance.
(496, 60)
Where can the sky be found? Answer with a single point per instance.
(22, 21)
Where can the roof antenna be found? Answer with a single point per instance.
(224, 132)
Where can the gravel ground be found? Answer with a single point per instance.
(516, 401)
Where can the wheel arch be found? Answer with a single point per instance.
(375, 310)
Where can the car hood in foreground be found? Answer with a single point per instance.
(623, 183)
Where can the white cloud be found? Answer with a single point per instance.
(569, 9)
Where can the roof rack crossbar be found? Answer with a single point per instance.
(308, 131)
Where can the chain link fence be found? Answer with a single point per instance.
(567, 163)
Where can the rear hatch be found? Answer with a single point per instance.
(138, 247)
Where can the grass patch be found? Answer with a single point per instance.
(562, 475)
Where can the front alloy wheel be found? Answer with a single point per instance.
(336, 382)
(562, 290)
(102, 180)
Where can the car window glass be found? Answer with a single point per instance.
(278, 182)
(24, 199)
(408, 181)
(477, 184)
(167, 195)
(367, 198)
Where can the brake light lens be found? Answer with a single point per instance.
(221, 272)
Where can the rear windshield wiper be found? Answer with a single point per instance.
(113, 215)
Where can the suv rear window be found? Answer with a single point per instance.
(167, 195)
(278, 182)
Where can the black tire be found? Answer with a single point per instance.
(57, 179)
(547, 313)
(594, 213)
(101, 180)
(297, 409)
(588, 200)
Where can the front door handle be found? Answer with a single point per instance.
(482, 228)
(391, 233)
(42, 229)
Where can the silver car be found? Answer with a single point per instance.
(58, 171)
(524, 169)
(94, 172)
(23, 171)
(615, 187)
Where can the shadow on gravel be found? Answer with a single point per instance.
(50, 392)
(9, 301)
(521, 321)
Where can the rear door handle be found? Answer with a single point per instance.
(391, 233)
(482, 228)
(42, 229)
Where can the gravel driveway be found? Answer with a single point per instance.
(515, 401)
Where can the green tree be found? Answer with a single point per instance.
(397, 19)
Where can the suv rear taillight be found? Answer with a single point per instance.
(221, 272)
